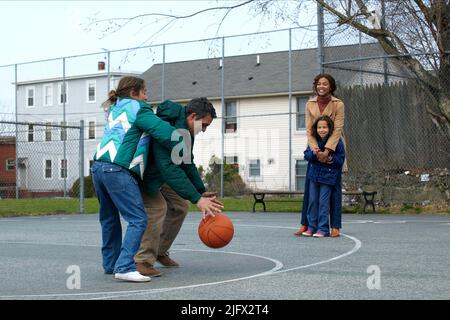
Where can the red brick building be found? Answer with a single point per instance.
(7, 165)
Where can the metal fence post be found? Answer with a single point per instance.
(81, 164)
(320, 38)
(222, 74)
(16, 132)
(290, 109)
(64, 120)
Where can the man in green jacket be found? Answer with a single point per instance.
(169, 181)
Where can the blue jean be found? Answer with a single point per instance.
(335, 203)
(319, 207)
(118, 191)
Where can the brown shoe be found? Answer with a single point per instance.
(147, 269)
(166, 261)
(335, 232)
(302, 229)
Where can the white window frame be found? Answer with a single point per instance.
(298, 108)
(89, 82)
(48, 125)
(295, 171)
(44, 95)
(232, 156)
(255, 178)
(88, 121)
(237, 118)
(60, 168)
(45, 168)
(28, 133)
(8, 164)
(27, 96)
(60, 84)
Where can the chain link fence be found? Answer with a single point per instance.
(394, 143)
(259, 84)
(42, 160)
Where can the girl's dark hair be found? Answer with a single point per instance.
(330, 80)
(126, 86)
(329, 122)
(201, 107)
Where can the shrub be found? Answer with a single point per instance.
(233, 184)
(89, 190)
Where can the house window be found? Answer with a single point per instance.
(63, 169)
(10, 164)
(233, 160)
(48, 131)
(48, 95)
(230, 117)
(301, 106)
(63, 90)
(48, 169)
(300, 174)
(91, 130)
(91, 91)
(30, 133)
(63, 131)
(255, 168)
(30, 97)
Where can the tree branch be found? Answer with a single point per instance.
(163, 15)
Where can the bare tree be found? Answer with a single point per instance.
(417, 34)
(414, 32)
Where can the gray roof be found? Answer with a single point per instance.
(243, 77)
(103, 74)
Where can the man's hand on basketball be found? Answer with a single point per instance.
(209, 206)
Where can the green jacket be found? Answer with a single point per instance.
(127, 134)
(183, 178)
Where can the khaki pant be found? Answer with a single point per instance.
(166, 211)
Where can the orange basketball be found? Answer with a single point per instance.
(216, 232)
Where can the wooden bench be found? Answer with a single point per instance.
(260, 197)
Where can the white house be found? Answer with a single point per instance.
(42, 164)
(257, 107)
(258, 124)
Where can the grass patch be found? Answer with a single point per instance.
(246, 204)
(49, 206)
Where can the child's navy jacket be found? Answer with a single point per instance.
(322, 172)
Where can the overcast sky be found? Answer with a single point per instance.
(40, 30)
(33, 30)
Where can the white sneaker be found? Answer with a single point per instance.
(133, 276)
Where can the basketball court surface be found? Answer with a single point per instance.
(377, 257)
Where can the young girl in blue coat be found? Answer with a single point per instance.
(323, 177)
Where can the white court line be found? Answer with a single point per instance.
(50, 244)
(389, 221)
(278, 265)
(357, 246)
(118, 294)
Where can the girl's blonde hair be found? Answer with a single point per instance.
(126, 86)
